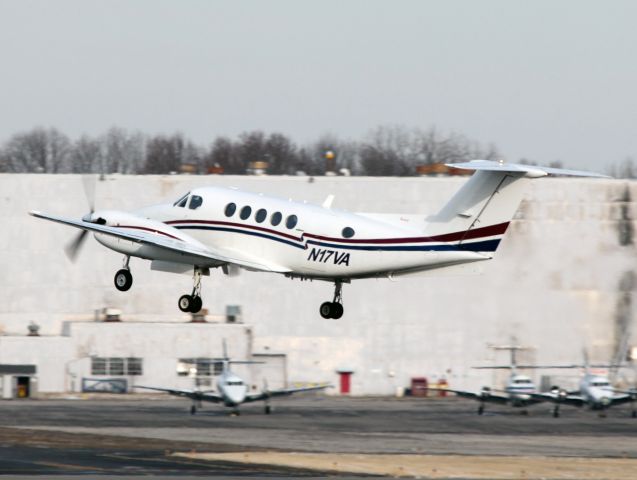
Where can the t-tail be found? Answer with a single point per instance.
(478, 215)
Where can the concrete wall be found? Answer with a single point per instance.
(563, 279)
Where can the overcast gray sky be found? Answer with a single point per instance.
(545, 80)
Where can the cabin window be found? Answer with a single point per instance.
(260, 215)
(182, 201)
(291, 221)
(276, 218)
(230, 209)
(195, 202)
(348, 232)
(245, 212)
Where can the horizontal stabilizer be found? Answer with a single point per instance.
(532, 171)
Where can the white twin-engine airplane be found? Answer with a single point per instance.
(232, 391)
(218, 227)
(517, 391)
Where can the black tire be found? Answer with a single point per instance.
(196, 305)
(185, 303)
(326, 310)
(480, 410)
(267, 409)
(193, 410)
(634, 414)
(123, 280)
(337, 310)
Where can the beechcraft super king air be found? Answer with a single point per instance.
(213, 227)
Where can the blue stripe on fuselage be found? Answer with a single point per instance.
(235, 230)
(485, 246)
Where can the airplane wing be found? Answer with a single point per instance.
(207, 256)
(568, 399)
(623, 396)
(192, 394)
(281, 393)
(484, 396)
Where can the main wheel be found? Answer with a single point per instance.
(337, 310)
(193, 410)
(480, 409)
(196, 304)
(123, 280)
(326, 310)
(185, 303)
(268, 409)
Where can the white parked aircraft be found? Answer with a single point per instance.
(595, 392)
(517, 391)
(218, 227)
(232, 391)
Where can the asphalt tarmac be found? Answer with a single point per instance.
(138, 435)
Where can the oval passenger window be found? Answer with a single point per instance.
(245, 212)
(230, 209)
(348, 232)
(276, 218)
(260, 215)
(291, 221)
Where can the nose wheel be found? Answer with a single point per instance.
(123, 278)
(334, 309)
(192, 303)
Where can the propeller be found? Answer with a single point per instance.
(73, 248)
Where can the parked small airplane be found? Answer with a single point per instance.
(517, 391)
(228, 228)
(595, 392)
(232, 390)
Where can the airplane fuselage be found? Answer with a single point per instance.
(306, 240)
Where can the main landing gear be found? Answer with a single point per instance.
(192, 303)
(123, 278)
(334, 309)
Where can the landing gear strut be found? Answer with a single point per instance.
(192, 303)
(334, 309)
(123, 278)
(556, 411)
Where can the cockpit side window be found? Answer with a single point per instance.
(182, 201)
(195, 202)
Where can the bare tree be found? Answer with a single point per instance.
(86, 155)
(164, 154)
(281, 154)
(39, 150)
(223, 152)
(124, 152)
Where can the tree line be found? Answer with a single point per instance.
(384, 151)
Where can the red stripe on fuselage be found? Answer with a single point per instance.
(152, 230)
(232, 224)
(490, 231)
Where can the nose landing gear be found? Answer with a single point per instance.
(123, 278)
(334, 309)
(192, 303)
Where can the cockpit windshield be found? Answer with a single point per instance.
(195, 202)
(182, 201)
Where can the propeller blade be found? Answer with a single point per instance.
(89, 182)
(74, 247)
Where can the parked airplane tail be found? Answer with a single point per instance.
(478, 215)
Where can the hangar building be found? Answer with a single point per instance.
(563, 280)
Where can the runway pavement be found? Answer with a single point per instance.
(134, 435)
